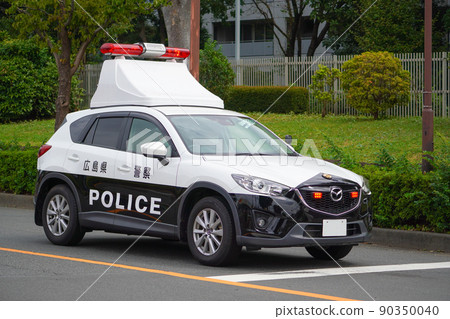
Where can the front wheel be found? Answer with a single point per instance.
(211, 234)
(329, 252)
(60, 217)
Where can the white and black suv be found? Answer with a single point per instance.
(157, 155)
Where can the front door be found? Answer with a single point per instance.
(147, 185)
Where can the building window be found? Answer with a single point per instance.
(224, 32)
(307, 27)
(251, 31)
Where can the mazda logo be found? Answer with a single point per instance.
(336, 193)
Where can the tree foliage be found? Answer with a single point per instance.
(68, 28)
(216, 73)
(323, 86)
(218, 8)
(375, 81)
(394, 26)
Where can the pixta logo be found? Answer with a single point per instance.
(141, 203)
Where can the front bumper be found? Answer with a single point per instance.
(289, 222)
(299, 236)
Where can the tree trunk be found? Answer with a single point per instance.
(324, 109)
(162, 27)
(177, 19)
(64, 90)
(299, 38)
(142, 32)
(64, 79)
(317, 37)
(375, 115)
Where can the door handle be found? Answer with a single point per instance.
(73, 157)
(124, 168)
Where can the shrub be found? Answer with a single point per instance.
(402, 196)
(17, 169)
(375, 81)
(216, 73)
(322, 87)
(261, 98)
(28, 81)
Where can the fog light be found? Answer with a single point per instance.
(261, 222)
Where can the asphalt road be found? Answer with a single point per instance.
(31, 268)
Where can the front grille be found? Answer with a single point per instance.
(326, 204)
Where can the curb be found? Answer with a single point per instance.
(16, 201)
(380, 236)
(410, 239)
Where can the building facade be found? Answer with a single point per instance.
(258, 38)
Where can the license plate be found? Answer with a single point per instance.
(334, 227)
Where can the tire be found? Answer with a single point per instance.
(60, 217)
(334, 252)
(211, 234)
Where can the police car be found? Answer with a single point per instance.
(158, 155)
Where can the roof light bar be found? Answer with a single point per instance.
(121, 49)
(144, 50)
(176, 53)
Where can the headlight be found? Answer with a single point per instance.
(260, 185)
(365, 186)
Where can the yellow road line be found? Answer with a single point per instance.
(185, 276)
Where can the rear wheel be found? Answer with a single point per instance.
(329, 252)
(211, 234)
(60, 217)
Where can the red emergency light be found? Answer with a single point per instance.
(121, 49)
(317, 195)
(144, 50)
(354, 194)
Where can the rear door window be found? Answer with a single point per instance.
(106, 132)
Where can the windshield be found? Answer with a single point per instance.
(227, 135)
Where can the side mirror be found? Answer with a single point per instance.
(288, 139)
(157, 150)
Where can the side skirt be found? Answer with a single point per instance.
(126, 225)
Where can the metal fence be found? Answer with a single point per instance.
(284, 71)
(89, 77)
(298, 71)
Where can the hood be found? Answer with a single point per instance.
(288, 170)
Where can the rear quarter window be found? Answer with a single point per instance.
(77, 128)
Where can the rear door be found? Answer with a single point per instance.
(91, 163)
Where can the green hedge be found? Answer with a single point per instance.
(260, 98)
(29, 81)
(410, 200)
(18, 171)
(402, 196)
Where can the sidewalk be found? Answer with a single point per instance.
(380, 236)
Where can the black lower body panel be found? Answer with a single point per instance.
(126, 225)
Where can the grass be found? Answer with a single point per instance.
(361, 137)
(34, 133)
